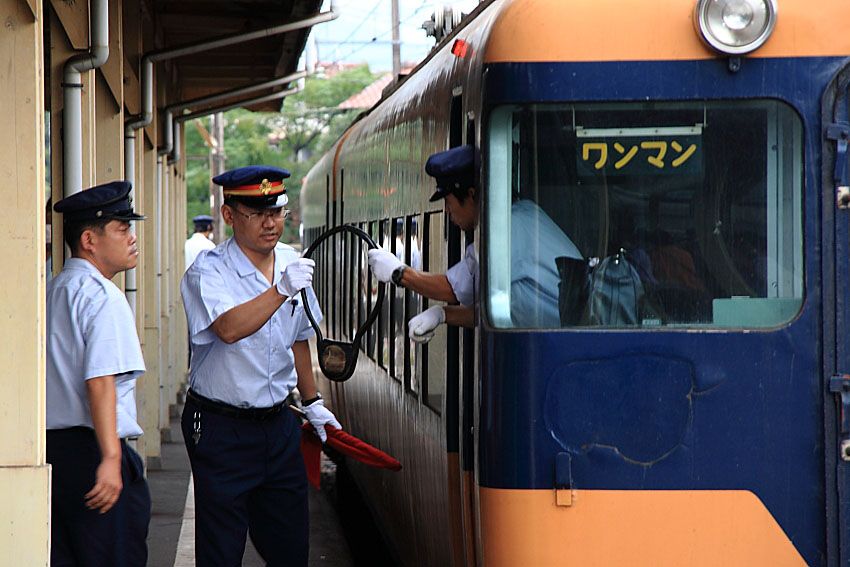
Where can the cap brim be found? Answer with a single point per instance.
(438, 194)
(260, 203)
(128, 217)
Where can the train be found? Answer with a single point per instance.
(689, 401)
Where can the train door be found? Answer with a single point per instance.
(459, 379)
(836, 237)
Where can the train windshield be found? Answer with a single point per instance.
(644, 215)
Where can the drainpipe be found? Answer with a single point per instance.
(72, 87)
(130, 126)
(161, 378)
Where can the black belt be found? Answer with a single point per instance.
(220, 408)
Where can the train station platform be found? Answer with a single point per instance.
(171, 534)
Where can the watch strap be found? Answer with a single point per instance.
(398, 273)
(309, 401)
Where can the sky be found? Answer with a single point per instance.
(356, 36)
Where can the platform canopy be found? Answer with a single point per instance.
(179, 23)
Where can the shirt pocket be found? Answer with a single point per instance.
(288, 320)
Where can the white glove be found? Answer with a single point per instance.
(383, 264)
(297, 275)
(319, 416)
(422, 326)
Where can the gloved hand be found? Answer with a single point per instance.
(297, 275)
(319, 416)
(383, 264)
(422, 326)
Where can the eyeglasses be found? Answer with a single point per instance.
(274, 214)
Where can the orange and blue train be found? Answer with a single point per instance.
(659, 370)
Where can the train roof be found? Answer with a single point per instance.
(630, 30)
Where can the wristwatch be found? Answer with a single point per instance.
(305, 403)
(397, 275)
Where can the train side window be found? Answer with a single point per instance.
(323, 259)
(337, 281)
(395, 298)
(372, 288)
(384, 316)
(318, 286)
(349, 275)
(343, 283)
(433, 354)
(412, 300)
(362, 286)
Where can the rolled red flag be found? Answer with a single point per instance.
(311, 449)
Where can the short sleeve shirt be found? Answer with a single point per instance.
(194, 245)
(536, 240)
(91, 332)
(258, 370)
(463, 277)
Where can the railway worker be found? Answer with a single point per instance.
(536, 240)
(249, 338)
(454, 172)
(200, 239)
(101, 504)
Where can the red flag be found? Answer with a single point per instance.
(311, 449)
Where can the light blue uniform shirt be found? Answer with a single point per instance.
(463, 277)
(91, 332)
(259, 370)
(535, 243)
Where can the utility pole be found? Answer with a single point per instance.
(396, 42)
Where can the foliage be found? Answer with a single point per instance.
(293, 139)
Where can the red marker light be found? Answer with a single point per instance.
(461, 48)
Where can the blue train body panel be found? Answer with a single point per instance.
(699, 409)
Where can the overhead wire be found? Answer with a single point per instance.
(356, 28)
(377, 37)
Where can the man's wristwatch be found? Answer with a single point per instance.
(311, 400)
(397, 274)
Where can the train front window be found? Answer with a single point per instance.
(644, 215)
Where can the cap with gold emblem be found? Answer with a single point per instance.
(257, 186)
(108, 201)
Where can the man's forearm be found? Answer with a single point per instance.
(432, 286)
(246, 319)
(101, 396)
(460, 315)
(304, 370)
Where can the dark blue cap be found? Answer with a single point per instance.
(453, 169)
(257, 186)
(107, 201)
(202, 220)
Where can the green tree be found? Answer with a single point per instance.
(293, 139)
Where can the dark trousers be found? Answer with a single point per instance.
(249, 479)
(83, 537)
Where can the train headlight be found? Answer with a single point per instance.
(736, 27)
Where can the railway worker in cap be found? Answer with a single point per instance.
(249, 338)
(100, 500)
(200, 239)
(454, 172)
(536, 240)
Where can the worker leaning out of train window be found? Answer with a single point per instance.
(535, 243)
(454, 172)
